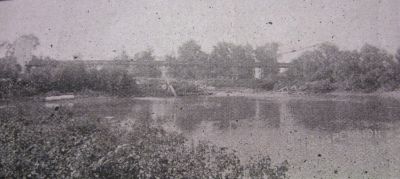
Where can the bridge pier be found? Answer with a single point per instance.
(258, 73)
(258, 109)
(164, 71)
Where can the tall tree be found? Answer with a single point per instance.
(9, 67)
(23, 48)
(221, 56)
(347, 70)
(373, 65)
(122, 56)
(6, 49)
(230, 61)
(241, 57)
(146, 56)
(268, 54)
(190, 53)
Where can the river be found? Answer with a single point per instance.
(320, 136)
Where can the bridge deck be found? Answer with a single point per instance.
(166, 63)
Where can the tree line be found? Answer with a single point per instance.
(67, 78)
(19, 78)
(222, 62)
(326, 68)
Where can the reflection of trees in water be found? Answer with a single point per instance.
(270, 113)
(372, 113)
(263, 114)
(226, 112)
(191, 111)
(146, 112)
(231, 112)
(118, 108)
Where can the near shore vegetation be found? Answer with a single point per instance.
(40, 142)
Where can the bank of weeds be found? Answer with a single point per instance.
(55, 143)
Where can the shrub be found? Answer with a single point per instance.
(73, 77)
(9, 68)
(321, 86)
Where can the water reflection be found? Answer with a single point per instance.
(187, 114)
(371, 113)
(316, 135)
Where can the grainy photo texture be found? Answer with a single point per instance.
(157, 89)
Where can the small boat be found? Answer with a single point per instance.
(61, 97)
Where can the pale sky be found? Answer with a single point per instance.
(100, 29)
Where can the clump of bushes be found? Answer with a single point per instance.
(265, 84)
(159, 87)
(114, 81)
(321, 86)
(67, 78)
(154, 87)
(183, 88)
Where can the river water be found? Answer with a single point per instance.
(320, 137)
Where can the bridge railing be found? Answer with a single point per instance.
(168, 63)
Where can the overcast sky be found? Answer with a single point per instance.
(100, 29)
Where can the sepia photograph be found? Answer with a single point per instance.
(182, 89)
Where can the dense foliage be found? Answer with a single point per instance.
(189, 52)
(146, 71)
(325, 69)
(226, 61)
(52, 76)
(55, 143)
(329, 68)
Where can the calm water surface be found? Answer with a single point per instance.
(321, 137)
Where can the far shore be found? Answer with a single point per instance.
(259, 93)
(234, 92)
